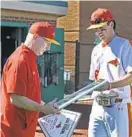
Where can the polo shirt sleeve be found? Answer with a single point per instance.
(127, 56)
(16, 79)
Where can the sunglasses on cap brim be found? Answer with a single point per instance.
(94, 26)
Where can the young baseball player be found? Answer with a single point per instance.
(111, 60)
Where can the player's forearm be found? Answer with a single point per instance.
(123, 81)
(26, 103)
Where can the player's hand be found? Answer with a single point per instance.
(110, 93)
(51, 108)
(104, 87)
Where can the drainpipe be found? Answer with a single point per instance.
(77, 60)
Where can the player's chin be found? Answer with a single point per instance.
(102, 37)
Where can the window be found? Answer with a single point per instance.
(48, 68)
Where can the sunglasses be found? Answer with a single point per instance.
(96, 21)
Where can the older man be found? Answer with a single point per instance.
(111, 60)
(21, 94)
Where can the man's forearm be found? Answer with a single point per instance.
(26, 103)
(124, 81)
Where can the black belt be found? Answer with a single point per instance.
(118, 100)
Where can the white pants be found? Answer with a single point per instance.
(109, 121)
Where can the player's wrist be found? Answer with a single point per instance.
(109, 86)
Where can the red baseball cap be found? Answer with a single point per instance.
(44, 29)
(99, 18)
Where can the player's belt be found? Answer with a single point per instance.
(118, 100)
(107, 101)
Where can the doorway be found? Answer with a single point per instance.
(10, 39)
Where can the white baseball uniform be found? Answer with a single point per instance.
(112, 62)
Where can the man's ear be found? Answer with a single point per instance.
(111, 24)
(35, 36)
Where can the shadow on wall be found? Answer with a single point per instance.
(69, 87)
(85, 110)
(69, 84)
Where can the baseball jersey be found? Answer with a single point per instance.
(110, 62)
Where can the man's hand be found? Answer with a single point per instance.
(104, 87)
(51, 108)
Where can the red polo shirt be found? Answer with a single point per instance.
(20, 76)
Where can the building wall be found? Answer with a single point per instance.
(29, 17)
(123, 19)
(70, 23)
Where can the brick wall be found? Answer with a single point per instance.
(12, 15)
(24, 19)
(70, 23)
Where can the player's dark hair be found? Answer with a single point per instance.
(114, 27)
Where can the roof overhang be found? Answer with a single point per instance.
(35, 7)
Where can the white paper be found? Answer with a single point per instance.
(59, 125)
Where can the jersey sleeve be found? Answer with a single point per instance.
(16, 78)
(127, 57)
(92, 67)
